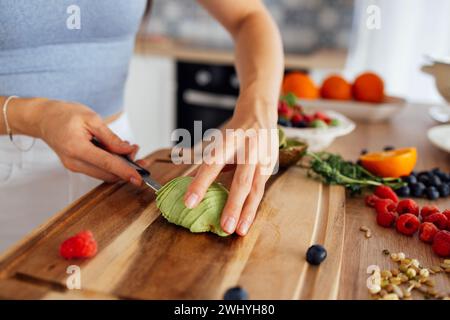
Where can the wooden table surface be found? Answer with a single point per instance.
(408, 129)
(143, 256)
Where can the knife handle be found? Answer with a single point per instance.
(142, 171)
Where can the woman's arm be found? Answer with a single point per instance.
(259, 51)
(68, 129)
(259, 63)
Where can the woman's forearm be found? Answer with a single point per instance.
(259, 59)
(22, 115)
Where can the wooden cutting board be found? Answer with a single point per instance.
(143, 256)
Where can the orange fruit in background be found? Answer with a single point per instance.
(394, 163)
(336, 87)
(301, 85)
(368, 87)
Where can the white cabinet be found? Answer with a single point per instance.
(150, 101)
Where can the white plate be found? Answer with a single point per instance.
(320, 138)
(440, 137)
(356, 110)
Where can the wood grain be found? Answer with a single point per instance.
(142, 256)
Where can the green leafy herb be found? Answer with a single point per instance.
(333, 169)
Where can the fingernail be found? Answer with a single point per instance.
(191, 201)
(124, 144)
(135, 181)
(229, 225)
(243, 227)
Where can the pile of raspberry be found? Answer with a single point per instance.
(432, 224)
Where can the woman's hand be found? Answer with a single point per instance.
(68, 129)
(260, 154)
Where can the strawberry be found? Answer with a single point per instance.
(385, 192)
(408, 224)
(82, 245)
(427, 210)
(441, 244)
(438, 219)
(427, 231)
(386, 215)
(371, 200)
(408, 206)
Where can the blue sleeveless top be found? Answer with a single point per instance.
(73, 50)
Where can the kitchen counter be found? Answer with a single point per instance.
(142, 256)
(323, 59)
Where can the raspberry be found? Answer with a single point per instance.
(447, 214)
(82, 245)
(427, 231)
(386, 219)
(385, 205)
(321, 116)
(385, 192)
(441, 244)
(385, 212)
(296, 118)
(284, 110)
(408, 206)
(371, 200)
(427, 210)
(408, 224)
(438, 219)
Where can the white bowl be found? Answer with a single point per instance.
(357, 110)
(440, 137)
(319, 139)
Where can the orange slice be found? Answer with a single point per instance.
(394, 163)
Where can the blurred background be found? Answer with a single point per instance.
(183, 66)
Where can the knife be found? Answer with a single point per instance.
(144, 173)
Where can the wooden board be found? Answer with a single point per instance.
(142, 256)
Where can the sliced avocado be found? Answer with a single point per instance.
(205, 217)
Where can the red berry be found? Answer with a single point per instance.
(408, 224)
(447, 214)
(371, 200)
(82, 245)
(438, 219)
(385, 212)
(408, 206)
(385, 192)
(441, 244)
(308, 118)
(285, 111)
(386, 219)
(427, 210)
(321, 116)
(296, 118)
(385, 205)
(427, 231)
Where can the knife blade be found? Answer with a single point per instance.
(144, 173)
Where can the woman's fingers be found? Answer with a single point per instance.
(109, 163)
(240, 189)
(109, 139)
(205, 176)
(86, 168)
(252, 202)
